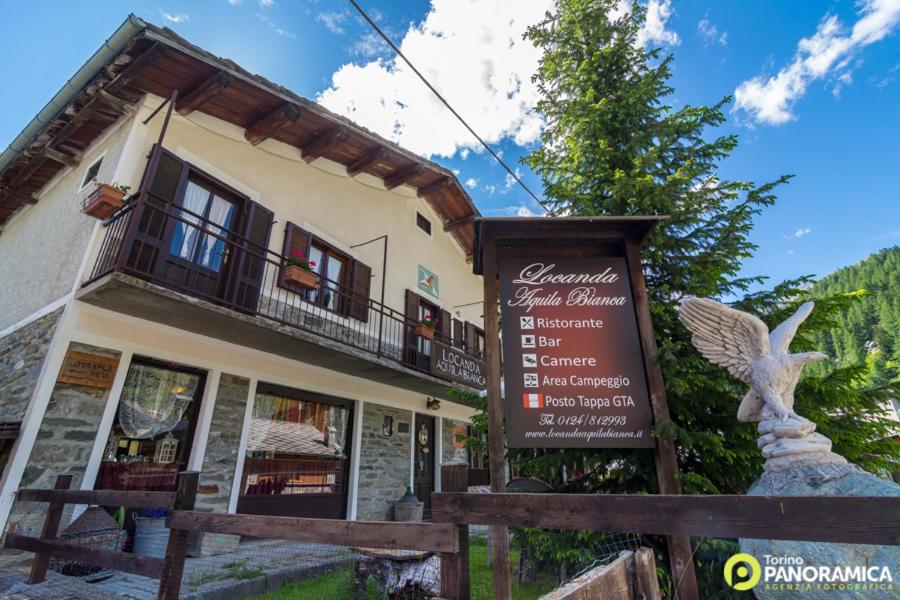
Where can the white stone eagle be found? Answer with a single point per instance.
(741, 343)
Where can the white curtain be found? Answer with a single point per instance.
(219, 215)
(195, 198)
(154, 400)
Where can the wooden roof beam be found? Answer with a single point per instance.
(435, 186)
(61, 157)
(379, 154)
(17, 195)
(135, 67)
(403, 175)
(268, 125)
(202, 93)
(33, 164)
(458, 223)
(325, 142)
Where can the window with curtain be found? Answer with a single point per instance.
(333, 267)
(189, 242)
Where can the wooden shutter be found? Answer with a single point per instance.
(458, 335)
(296, 239)
(360, 284)
(411, 310)
(471, 341)
(445, 325)
(250, 267)
(150, 243)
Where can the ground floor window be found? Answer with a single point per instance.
(297, 460)
(150, 440)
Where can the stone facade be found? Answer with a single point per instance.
(223, 443)
(449, 454)
(384, 462)
(63, 443)
(22, 355)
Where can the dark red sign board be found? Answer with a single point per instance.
(572, 363)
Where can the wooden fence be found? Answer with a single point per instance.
(853, 520)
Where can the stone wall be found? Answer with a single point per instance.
(223, 443)
(384, 465)
(449, 454)
(63, 443)
(22, 354)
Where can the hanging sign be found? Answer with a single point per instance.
(92, 370)
(455, 365)
(572, 361)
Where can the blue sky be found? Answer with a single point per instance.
(818, 89)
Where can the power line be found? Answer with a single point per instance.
(444, 101)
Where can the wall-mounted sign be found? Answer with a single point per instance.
(93, 370)
(572, 361)
(454, 364)
(428, 282)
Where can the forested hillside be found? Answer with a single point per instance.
(870, 328)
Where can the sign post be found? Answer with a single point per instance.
(579, 354)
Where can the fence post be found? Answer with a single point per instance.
(455, 567)
(185, 496)
(49, 531)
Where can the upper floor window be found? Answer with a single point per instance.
(332, 266)
(92, 172)
(423, 223)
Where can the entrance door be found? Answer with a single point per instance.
(198, 257)
(423, 474)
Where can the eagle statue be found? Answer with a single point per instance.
(742, 344)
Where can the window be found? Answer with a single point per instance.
(433, 313)
(92, 172)
(332, 266)
(203, 249)
(423, 223)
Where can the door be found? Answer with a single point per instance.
(198, 250)
(423, 473)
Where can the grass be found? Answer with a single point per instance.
(338, 585)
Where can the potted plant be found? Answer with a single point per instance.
(105, 200)
(299, 271)
(426, 327)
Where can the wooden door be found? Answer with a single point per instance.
(423, 464)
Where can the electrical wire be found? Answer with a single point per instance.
(444, 101)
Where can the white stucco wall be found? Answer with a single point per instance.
(42, 247)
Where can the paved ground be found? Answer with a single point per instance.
(255, 567)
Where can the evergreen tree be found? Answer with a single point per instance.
(613, 146)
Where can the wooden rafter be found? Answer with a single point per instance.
(325, 142)
(134, 68)
(403, 175)
(198, 96)
(454, 225)
(17, 195)
(268, 125)
(434, 186)
(120, 105)
(61, 157)
(379, 154)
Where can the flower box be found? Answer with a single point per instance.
(423, 330)
(103, 202)
(300, 277)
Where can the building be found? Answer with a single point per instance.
(172, 335)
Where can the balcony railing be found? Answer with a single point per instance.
(241, 275)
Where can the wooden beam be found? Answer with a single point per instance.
(202, 93)
(863, 520)
(33, 164)
(454, 225)
(429, 537)
(49, 532)
(135, 67)
(17, 195)
(60, 157)
(379, 154)
(116, 561)
(403, 175)
(101, 497)
(434, 186)
(120, 105)
(268, 125)
(325, 142)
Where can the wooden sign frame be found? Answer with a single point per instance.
(574, 236)
(93, 370)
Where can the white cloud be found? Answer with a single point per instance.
(471, 183)
(509, 181)
(654, 30)
(803, 231)
(789, 252)
(267, 3)
(178, 18)
(482, 66)
(711, 33)
(271, 24)
(490, 189)
(333, 20)
(828, 51)
(234, 2)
